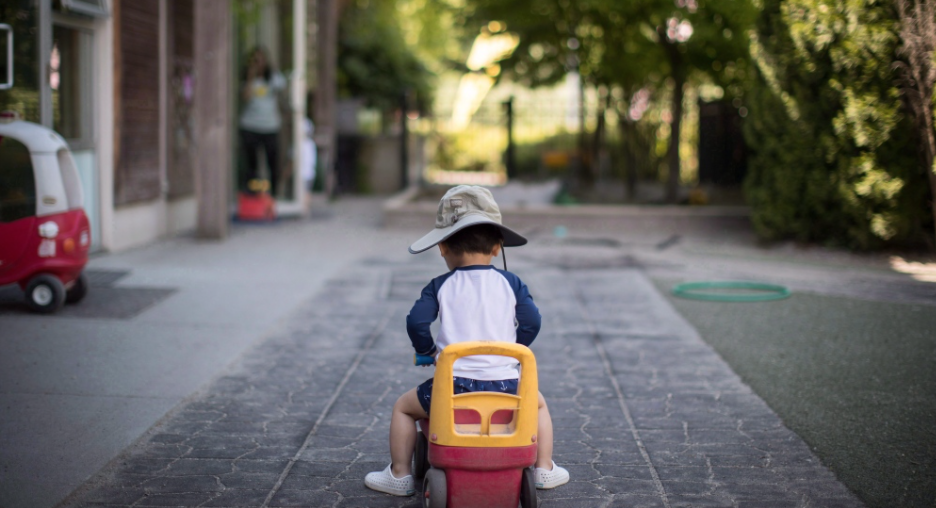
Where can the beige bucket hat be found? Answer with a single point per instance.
(463, 206)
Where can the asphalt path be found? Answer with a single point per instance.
(645, 413)
(169, 380)
(160, 323)
(854, 378)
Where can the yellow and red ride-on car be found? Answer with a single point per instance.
(477, 449)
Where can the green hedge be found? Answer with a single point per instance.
(833, 154)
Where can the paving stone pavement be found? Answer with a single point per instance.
(646, 414)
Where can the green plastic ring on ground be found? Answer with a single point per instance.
(696, 291)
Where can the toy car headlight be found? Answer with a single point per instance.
(49, 230)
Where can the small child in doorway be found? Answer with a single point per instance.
(473, 301)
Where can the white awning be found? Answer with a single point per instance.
(96, 8)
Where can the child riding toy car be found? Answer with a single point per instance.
(477, 449)
(44, 230)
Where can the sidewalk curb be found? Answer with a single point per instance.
(404, 212)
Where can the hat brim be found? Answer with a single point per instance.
(431, 239)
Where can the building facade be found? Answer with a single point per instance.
(121, 80)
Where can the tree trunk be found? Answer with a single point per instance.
(929, 156)
(929, 147)
(672, 155)
(586, 171)
(598, 140)
(678, 73)
(326, 92)
(629, 147)
(918, 34)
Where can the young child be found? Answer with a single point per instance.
(473, 301)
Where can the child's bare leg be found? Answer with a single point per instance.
(403, 432)
(544, 440)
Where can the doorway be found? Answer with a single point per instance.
(270, 119)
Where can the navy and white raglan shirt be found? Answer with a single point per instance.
(476, 302)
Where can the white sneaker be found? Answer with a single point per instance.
(546, 479)
(384, 481)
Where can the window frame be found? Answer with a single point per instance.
(94, 8)
(85, 78)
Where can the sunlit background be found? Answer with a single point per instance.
(817, 115)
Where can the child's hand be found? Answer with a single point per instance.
(423, 360)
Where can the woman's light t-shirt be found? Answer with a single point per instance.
(261, 113)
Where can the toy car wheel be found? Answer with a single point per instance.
(527, 489)
(434, 491)
(45, 293)
(78, 290)
(421, 457)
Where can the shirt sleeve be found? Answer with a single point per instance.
(529, 320)
(421, 316)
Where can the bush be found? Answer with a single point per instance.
(374, 61)
(833, 155)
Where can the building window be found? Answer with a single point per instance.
(96, 8)
(23, 98)
(70, 81)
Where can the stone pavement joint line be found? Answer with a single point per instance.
(331, 402)
(645, 414)
(627, 415)
(596, 338)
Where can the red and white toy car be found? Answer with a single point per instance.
(44, 232)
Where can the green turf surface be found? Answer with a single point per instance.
(855, 379)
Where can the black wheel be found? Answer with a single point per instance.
(78, 290)
(434, 491)
(527, 489)
(45, 293)
(421, 456)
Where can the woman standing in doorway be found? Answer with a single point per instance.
(260, 118)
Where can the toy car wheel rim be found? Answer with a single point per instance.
(434, 489)
(45, 293)
(42, 295)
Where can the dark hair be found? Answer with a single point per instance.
(479, 239)
(267, 68)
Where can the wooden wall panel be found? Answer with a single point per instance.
(136, 171)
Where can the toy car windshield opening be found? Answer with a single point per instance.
(503, 421)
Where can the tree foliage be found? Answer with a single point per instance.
(375, 62)
(659, 45)
(833, 156)
(835, 152)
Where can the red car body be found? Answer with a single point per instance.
(25, 254)
(480, 477)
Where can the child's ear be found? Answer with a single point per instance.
(443, 249)
(496, 250)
